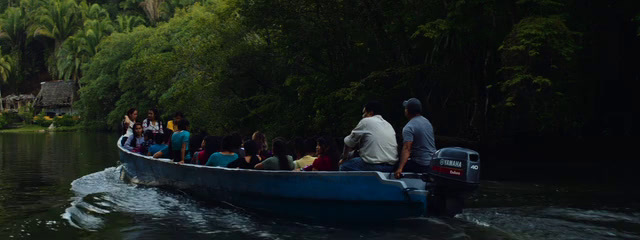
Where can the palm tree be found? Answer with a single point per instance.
(126, 23)
(70, 57)
(93, 11)
(94, 31)
(58, 19)
(77, 49)
(13, 26)
(5, 69)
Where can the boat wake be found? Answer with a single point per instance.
(103, 202)
(556, 222)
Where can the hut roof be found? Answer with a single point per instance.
(55, 94)
(21, 97)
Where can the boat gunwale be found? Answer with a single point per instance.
(379, 175)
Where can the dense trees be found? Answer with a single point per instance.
(483, 68)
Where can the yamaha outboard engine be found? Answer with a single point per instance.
(455, 174)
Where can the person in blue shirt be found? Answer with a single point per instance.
(159, 149)
(224, 157)
(180, 142)
(418, 140)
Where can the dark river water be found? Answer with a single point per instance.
(67, 186)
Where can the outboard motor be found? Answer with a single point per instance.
(455, 174)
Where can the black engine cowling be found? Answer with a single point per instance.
(455, 174)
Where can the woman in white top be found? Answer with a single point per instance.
(152, 122)
(129, 120)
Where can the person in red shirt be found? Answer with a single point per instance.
(328, 156)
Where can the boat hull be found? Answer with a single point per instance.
(332, 196)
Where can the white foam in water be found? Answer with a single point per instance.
(102, 193)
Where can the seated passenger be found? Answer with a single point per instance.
(152, 122)
(250, 160)
(173, 124)
(309, 150)
(148, 141)
(210, 145)
(328, 156)
(418, 140)
(261, 140)
(159, 149)
(224, 157)
(129, 121)
(280, 159)
(180, 142)
(196, 144)
(377, 140)
(134, 142)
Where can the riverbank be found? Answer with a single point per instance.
(19, 128)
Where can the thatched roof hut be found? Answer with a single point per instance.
(14, 102)
(55, 96)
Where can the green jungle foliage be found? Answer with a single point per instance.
(482, 68)
(64, 121)
(41, 120)
(3, 121)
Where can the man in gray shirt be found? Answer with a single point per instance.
(418, 140)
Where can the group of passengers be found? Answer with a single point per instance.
(371, 145)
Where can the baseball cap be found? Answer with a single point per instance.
(413, 104)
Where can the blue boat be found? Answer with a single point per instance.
(344, 196)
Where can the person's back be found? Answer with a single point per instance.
(250, 160)
(221, 159)
(418, 143)
(155, 148)
(377, 140)
(420, 131)
(273, 163)
(280, 159)
(224, 157)
(180, 140)
(304, 161)
(308, 149)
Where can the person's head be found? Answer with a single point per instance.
(412, 107)
(178, 116)
(371, 109)
(310, 146)
(227, 143)
(132, 113)
(251, 148)
(159, 138)
(326, 146)
(137, 129)
(260, 139)
(280, 151)
(212, 144)
(148, 135)
(152, 114)
(183, 124)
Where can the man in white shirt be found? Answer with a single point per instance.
(377, 141)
